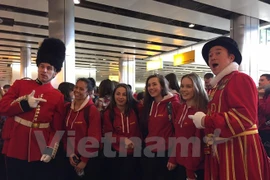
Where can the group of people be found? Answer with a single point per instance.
(175, 133)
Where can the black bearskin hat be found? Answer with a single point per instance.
(52, 51)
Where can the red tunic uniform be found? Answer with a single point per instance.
(189, 151)
(20, 140)
(232, 114)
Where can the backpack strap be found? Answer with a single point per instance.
(169, 110)
(86, 112)
(170, 113)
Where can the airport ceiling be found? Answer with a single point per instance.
(107, 30)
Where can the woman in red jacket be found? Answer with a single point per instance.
(189, 151)
(83, 134)
(160, 107)
(122, 130)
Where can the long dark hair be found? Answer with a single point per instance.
(173, 83)
(106, 88)
(130, 100)
(65, 88)
(148, 99)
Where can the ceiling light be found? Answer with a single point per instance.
(191, 25)
(76, 1)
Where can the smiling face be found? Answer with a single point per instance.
(187, 89)
(219, 58)
(46, 72)
(154, 88)
(80, 90)
(120, 97)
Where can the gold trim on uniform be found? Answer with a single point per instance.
(213, 108)
(237, 119)
(19, 99)
(228, 123)
(232, 156)
(220, 97)
(243, 157)
(227, 161)
(55, 148)
(242, 116)
(257, 155)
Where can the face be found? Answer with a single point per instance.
(263, 81)
(46, 72)
(120, 96)
(187, 89)
(80, 90)
(207, 83)
(219, 58)
(154, 88)
(5, 90)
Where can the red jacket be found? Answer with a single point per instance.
(160, 128)
(264, 114)
(123, 126)
(76, 122)
(20, 141)
(190, 156)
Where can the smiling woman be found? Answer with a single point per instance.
(84, 126)
(121, 121)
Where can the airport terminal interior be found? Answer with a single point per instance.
(80, 123)
(133, 30)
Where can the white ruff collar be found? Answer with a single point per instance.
(227, 70)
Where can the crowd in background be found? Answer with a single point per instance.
(106, 127)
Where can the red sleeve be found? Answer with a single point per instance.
(239, 104)
(57, 123)
(8, 105)
(194, 162)
(175, 107)
(264, 106)
(93, 131)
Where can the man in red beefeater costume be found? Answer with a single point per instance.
(233, 147)
(34, 107)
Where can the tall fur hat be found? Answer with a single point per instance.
(225, 42)
(52, 51)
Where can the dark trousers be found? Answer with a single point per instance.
(155, 168)
(2, 167)
(265, 137)
(23, 170)
(91, 171)
(180, 173)
(124, 168)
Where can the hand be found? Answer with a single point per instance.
(32, 101)
(80, 166)
(45, 158)
(129, 144)
(171, 166)
(71, 161)
(198, 119)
